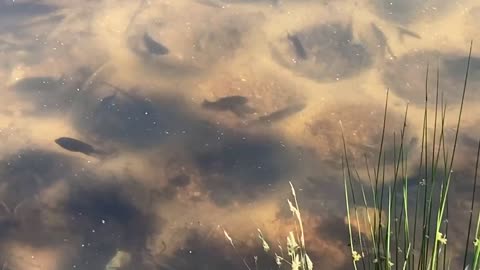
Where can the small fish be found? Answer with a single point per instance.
(236, 104)
(297, 45)
(210, 3)
(75, 145)
(382, 39)
(405, 32)
(281, 114)
(153, 46)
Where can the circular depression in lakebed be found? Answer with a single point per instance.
(324, 52)
(179, 50)
(406, 75)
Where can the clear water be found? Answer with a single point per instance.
(183, 118)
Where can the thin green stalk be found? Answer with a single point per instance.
(397, 161)
(406, 256)
(424, 223)
(377, 172)
(471, 208)
(476, 254)
(367, 220)
(461, 105)
(388, 260)
(381, 204)
(445, 253)
(434, 167)
(395, 228)
(348, 216)
(444, 192)
(418, 198)
(375, 206)
(405, 210)
(349, 175)
(438, 234)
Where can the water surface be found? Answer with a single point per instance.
(193, 116)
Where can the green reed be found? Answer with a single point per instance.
(296, 257)
(402, 239)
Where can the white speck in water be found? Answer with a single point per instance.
(103, 221)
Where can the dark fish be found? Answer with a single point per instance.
(75, 145)
(405, 32)
(153, 46)
(281, 114)
(236, 104)
(382, 39)
(297, 45)
(210, 3)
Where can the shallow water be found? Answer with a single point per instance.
(199, 113)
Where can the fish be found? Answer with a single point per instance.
(297, 45)
(75, 145)
(281, 114)
(405, 32)
(235, 104)
(153, 46)
(382, 39)
(210, 3)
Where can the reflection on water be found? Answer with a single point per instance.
(134, 131)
